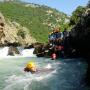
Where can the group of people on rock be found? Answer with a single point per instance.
(56, 39)
(55, 48)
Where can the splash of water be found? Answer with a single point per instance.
(25, 80)
(4, 51)
(48, 66)
(28, 52)
(23, 53)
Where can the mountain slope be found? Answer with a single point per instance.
(14, 33)
(38, 19)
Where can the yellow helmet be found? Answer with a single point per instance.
(30, 65)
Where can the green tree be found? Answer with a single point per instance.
(76, 15)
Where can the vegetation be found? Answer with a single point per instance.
(76, 15)
(38, 19)
(21, 33)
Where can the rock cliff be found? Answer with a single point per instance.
(13, 33)
(79, 39)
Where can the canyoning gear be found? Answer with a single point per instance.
(59, 47)
(52, 36)
(30, 65)
(58, 35)
(61, 35)
(57, 30)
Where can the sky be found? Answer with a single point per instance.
(66, 6)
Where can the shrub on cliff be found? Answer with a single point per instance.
(21, 33)
(76, 15)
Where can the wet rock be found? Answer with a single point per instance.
(33, 45)
(13, 51)
(38, 49)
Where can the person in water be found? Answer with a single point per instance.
(30, 67)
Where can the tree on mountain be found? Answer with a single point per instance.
(76, 15)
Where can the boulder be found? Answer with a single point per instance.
(38, 49)
(13, 51)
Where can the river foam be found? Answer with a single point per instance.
(23, 53)
(66, 74)
(4, 51)
(25, 80)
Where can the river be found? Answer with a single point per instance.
(67, 74)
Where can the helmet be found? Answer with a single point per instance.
(30, 65)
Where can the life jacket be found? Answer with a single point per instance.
(62, 47)
(59, 47)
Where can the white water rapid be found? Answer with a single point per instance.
(23, 52)
(4, 51)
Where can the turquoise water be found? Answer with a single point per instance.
(67, 74)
